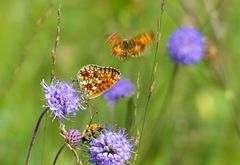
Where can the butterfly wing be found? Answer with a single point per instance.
(119, 51)
(137, 49)
(140, 42)
(95, 80)
(114, 39)
(116, 43)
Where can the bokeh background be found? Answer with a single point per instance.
(192, 118)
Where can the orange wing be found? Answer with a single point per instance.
(115, 41)
(144, 38)
(137, 49)
(140, 43)
(95, 80)
(119, 51)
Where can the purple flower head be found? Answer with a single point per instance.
(123, 88)
(62, 98)
(186, 46)
(73, 137)
(110, 148)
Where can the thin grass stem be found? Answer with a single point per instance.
(159, 121)
(79, 162)
(58, 153)
(34, 135)
(153, 72)
(54, 50)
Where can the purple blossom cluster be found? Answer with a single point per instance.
(62, 98)
(110, 148)
(186, 46)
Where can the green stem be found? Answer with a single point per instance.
(34, 135)
(154, 67)
(79, 162)
(159, 121)
(58, 153)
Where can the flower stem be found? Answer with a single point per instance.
(34, 135)
(79, 162)
(58, 153)
(54, 49)
(160, 118)
(154, 70)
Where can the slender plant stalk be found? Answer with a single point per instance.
(159, 121)
(137, 99)
(54, 49)
(58, 153)
(34, 135)
(154, 68)
(79, 162)
(132, 107)
(134, 160)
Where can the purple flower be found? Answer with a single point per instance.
(110, 148)
(62, 98)
(186, 46)
(123, 88)
(73, 137)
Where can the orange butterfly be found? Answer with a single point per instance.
(121, 47)
(95, 80)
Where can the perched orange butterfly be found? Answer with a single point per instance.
(95, 80)
(121, 47)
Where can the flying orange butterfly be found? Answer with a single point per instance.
(94, 80)
(121, 47)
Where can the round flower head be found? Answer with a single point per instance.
(123, 88)
(73, 137)
(186, 46)
(62, 98)
(110, 148)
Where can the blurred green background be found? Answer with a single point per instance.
(199, 123)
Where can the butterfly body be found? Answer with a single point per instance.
(121, 48)
(127, 45)
(95, 80)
